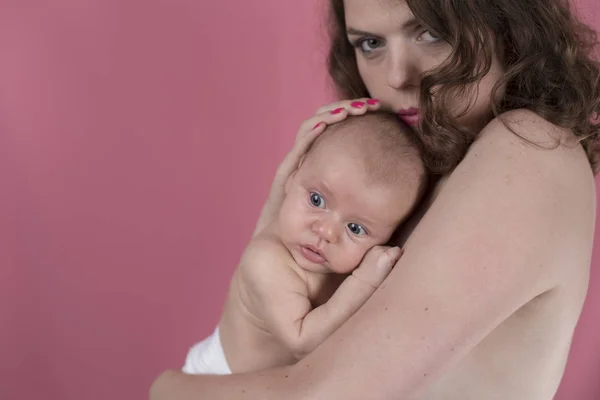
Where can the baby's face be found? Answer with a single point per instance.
(332, 216)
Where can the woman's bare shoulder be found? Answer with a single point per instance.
(525, 139)
(532, 172)
(485, 247)
(520, 146)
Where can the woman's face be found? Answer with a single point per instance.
(393, 51)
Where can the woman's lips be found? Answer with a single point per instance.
(410, 116)
(312, 255)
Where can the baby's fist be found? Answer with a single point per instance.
(377, 264)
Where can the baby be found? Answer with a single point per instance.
(345, 198)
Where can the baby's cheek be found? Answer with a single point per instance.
(343, 261)
(357, 256)
(289, 219)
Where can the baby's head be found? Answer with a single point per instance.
(361, 179)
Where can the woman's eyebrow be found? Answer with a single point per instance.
(357, 32)
(409, 24)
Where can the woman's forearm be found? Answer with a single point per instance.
(276, 384)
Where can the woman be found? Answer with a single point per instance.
(503, 95)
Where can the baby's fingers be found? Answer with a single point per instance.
(376, 266)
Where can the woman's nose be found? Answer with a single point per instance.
(327, 229)
(402, 70)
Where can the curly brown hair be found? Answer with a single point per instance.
(550, 62)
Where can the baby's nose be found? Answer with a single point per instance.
(327, 229)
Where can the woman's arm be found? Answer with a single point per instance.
(483, 250)
(274, 384)
(486, 247)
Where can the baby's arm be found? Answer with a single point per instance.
(282, 297)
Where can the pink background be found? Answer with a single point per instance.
(137, 143)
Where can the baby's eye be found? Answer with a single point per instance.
(356, 229)
(317, 200)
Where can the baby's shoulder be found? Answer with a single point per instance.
(267, 264)
(265, 248)
(265, 254)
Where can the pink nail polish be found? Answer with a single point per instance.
(372, 101)
(317, 125)
(337, 110)
(357, 104)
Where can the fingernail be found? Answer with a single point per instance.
(337, 110)
(372, 102)
(357, 104)
(317, 125)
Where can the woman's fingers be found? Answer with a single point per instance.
(314, 126)
(309, 130)
(354, 107)
(304, 139)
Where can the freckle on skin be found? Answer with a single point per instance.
(386, 309)
(426, 308)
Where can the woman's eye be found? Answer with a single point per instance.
(368, 45)
(356, 229)
(429, 37)
(317, 200)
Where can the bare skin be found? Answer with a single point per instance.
(484, 301)
(282, 301)
(459, 317)
(525, 355)
(277, 312)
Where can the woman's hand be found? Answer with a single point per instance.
(309, 130)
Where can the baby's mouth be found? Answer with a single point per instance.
(312, 254)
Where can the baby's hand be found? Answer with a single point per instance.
(277, 299)
(376, 265)
(354, 291)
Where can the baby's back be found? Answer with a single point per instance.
(248, 341)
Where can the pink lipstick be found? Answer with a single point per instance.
(410, 116)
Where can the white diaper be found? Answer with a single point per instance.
(207, 357)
